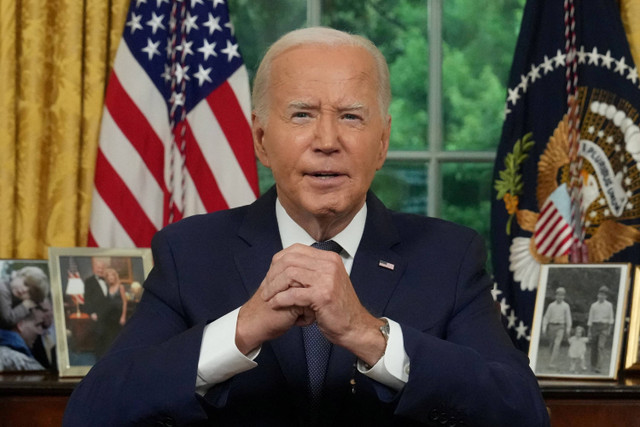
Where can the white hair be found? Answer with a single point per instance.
(317, 36)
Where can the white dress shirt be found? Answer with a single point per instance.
(220, 358)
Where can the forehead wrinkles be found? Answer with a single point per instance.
(301, 93)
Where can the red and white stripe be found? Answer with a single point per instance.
(553, 236)
(132, 191)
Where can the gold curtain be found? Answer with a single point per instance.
(55, 57)
(630, 12)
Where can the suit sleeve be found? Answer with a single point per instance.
(149, 374)
(473, 373)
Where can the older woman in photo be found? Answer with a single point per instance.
(25, 289)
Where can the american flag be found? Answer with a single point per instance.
(175, 138)
(553, 233)
(536, 184)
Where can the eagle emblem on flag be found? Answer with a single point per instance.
(610, 144)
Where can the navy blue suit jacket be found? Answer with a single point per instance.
(463, 365)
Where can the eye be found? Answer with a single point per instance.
(351, 117)
(301, 115)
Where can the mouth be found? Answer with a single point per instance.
(325, 175)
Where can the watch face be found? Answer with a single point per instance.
(385, 329)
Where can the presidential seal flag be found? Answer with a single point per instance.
(175, 137)
(566, 178)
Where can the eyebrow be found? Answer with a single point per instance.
(302, 105)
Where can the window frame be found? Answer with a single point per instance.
(434, 155)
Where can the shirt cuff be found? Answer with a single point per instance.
(220, 358)
(392, 369)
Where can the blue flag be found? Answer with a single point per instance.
(537, 193)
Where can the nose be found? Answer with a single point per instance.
(327, 134)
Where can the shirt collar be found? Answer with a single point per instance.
(349, 238)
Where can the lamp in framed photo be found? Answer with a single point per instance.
(75, 290)
(579, 320)
(95, 291)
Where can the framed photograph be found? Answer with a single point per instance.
(95, 291)
(27, 331)
(633, 340)
(579, 320)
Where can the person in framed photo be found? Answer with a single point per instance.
(16, 344)
(95, 289)
(600, 323)
(112, 313)
(578, 350)
(23, 291)
(44, 347)
(556, 324)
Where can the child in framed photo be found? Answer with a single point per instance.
(578, 350)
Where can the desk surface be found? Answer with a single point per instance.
(39, 399)
(48, 383)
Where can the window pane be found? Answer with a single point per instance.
(402, 186)
(258, 24)
(399, 29)
(466, 192)
(479, 39)
(265, 178)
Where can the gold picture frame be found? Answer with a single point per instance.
(578, 325)
(632, 359)
(89, 310)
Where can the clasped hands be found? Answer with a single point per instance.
(304, 285)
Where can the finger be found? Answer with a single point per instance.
(296, 271)
(292, 297)
(307, 317)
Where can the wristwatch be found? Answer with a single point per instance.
(384, 330)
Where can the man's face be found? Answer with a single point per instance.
(98, 268)
(30, 328)
(325, 135)
(47, 313)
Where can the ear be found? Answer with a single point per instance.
(257, 131)
(384, 143)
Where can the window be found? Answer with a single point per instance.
(449, 63)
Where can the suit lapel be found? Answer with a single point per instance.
(374, 283)
(260, 231)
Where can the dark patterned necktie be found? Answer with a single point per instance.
(316, 346)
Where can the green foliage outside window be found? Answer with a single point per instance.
(478, 41)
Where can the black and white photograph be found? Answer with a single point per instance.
(27, 333)
(95, 291)
(578, 320)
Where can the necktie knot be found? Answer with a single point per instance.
(328, 245)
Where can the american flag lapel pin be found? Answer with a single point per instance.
(386, 264)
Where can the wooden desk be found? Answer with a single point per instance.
(35, 400)
(586, 404)
(39, 400)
